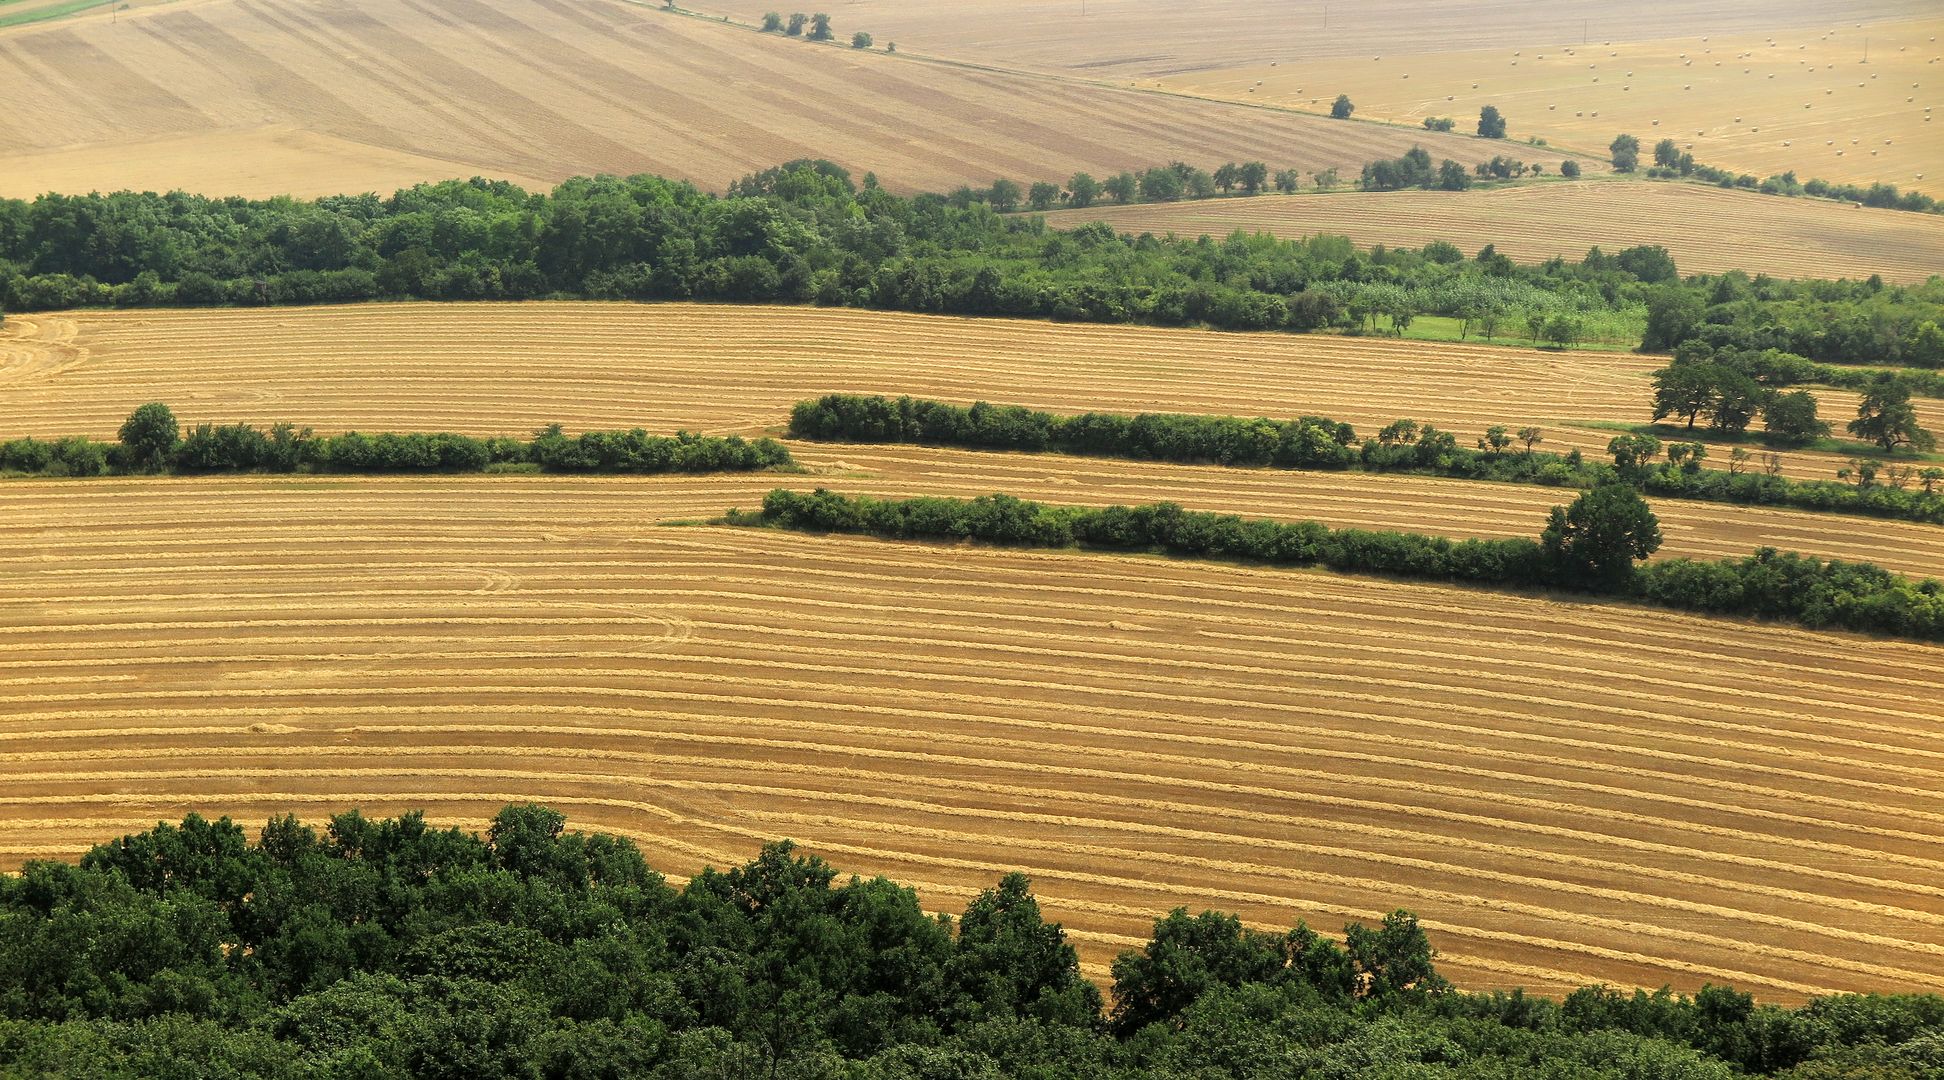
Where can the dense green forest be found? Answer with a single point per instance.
(152, 441)
(386, 949)
(806, 233)
(1316, 442)
(1592, 545)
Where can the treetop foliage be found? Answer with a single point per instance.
(390, 949)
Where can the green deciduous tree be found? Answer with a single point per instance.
(1886, 417)
(1685, 390)
(1626, 153)
(1082, 190)
(1042, 195)
(1491, 125)
(1790, 419)
(772, 23)
(1597, 539)
(860, 40)
(1003, 195)
(149, 436)
(795, 27)
(1569, 169)
(1341, 108)
(819, 27)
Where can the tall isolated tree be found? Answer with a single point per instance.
(1790, 419)
(1341, 108)
(1491, 125)
(1626, 153)
(150, 435)
(1597, 539)
(1686, 390)
(1886, 417)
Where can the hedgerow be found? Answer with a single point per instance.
(1766, 584)
(1314, 442)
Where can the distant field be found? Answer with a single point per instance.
(508, 368)
(1124, 39)
(1760, 101)
(1707, 229)
(1565, 792)
(316, 97)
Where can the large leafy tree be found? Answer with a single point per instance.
(150, 435)
(1597, 539)
(1886, 417)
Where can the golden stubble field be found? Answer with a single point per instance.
(1762, 102)
(317, 97)
(1708, 230)
(720, 368)
(1131, 39)
(1565, 792)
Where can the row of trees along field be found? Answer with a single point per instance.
(151, 441)
(1914, 493)
(1671, 162)
(387, 949)
(1591, 546)
(804, 233)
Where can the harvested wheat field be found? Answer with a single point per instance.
(1124, 39)
(1565, 792)
(504, 369)
(316, 97)
(1761, 101)
(1708, 230)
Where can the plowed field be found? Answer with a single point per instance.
(1565, 792)
(317, 97)
(509, 368)
(1707, 230)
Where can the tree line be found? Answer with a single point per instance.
(151, 440)
(804, 232)
(384, 949)
(1592, 545)
(1671, 162)
(1313, 442)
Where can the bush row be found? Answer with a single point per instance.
(282, 448)
(1315, 442)
(1852, 596)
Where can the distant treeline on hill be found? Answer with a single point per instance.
(805, 233)
(1314, 442)
(388, 949)
(1592, 546)
(151, 442)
